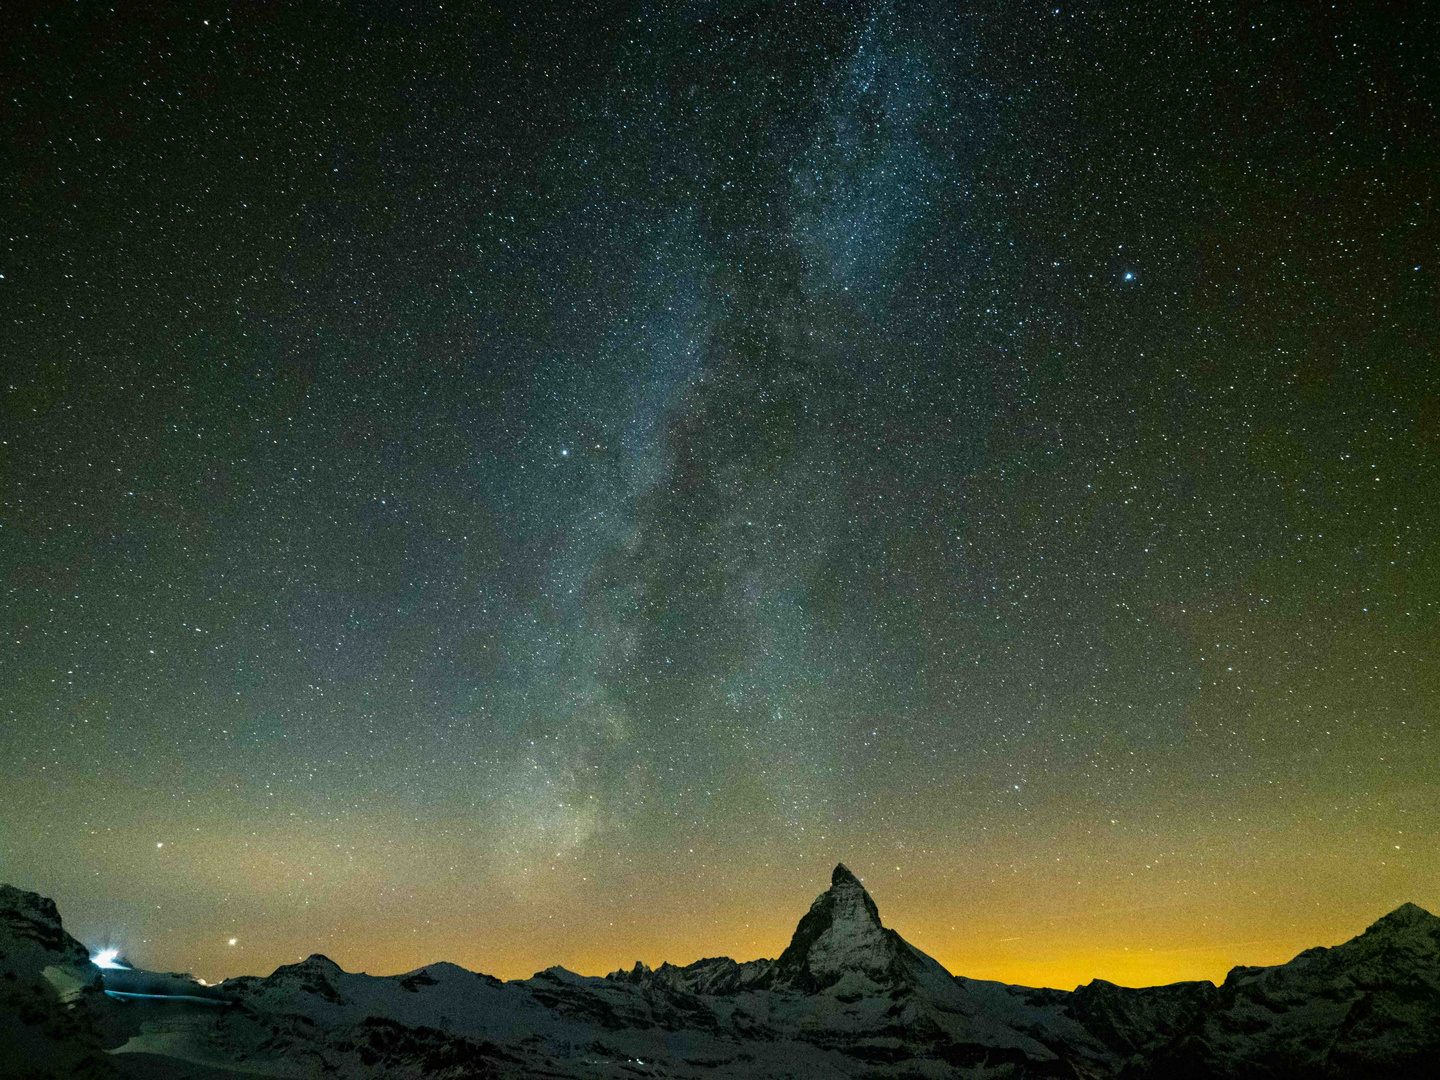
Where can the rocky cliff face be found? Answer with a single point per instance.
(1134, 1023)
(1367, 1008)
(841, 937)
(49, 993)
(847, 997)
(716, 976)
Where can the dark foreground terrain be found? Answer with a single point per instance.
(847, 998)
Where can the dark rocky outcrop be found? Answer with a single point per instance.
(1367, 1008)
(49, 996)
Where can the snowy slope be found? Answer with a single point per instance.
(847, 997)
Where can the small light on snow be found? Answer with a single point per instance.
(105, 958)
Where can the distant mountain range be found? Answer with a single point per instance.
(847, 998)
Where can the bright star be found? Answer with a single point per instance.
(1129, 276)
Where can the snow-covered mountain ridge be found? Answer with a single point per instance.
(848, 997)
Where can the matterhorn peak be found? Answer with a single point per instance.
(848, 900)
(842, 935)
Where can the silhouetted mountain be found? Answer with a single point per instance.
(841, 937)
(1367, 1008)
(847, 997)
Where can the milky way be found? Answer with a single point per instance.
(527, 487)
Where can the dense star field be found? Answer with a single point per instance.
(528, 485)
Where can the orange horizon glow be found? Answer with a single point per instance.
(1069, 895)
(1037, 962)
(1141, 946)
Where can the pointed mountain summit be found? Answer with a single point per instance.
(316, 974)
(841, 935)
(1405, 917)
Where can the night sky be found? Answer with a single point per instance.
(524, 485)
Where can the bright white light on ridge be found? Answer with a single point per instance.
(105, 958)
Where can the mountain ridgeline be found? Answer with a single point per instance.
(848, 997)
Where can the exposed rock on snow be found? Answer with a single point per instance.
(1136, 1022)
(841, 937)
(717, 975)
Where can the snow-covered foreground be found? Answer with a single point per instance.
(848, 997)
